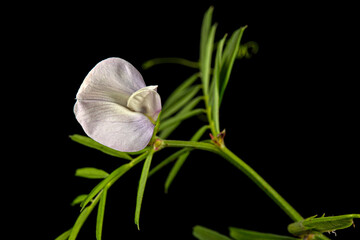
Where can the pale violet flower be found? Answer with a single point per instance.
(116, 108)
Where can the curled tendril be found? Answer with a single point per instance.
(246, 50)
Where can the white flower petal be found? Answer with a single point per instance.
(147, 101)
(113, 125)
(112, 80)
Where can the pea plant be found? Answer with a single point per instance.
(123, 117)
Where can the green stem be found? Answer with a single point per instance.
(261, 183)
(181, 61)
(246, 169)
(192, 144)
(208, 113)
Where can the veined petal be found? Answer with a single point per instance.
(147, 101)
(113, 125)
(112, 80)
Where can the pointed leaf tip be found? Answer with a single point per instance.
(89, 142)
(229, 56)
(92, 173)
(141, 188)
(203, 233)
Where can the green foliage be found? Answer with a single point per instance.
(203, 233)
(176, 168)
(205, 32)
(152, 62)
(178, 93)
(79, 199)
(247, 49)
(322, 224)
(173, 110)
(181, 105)
(206, 47)
(228, 59)
(93, 144)
(184, 98)
(98, 193)
(243, 234)
(167, 161)
(65, 235)
(142, 184)
(182, 158)
(179, 117)
(109, 180)
(205, 63)
(223, 65)
(82, 218)
(214, 101)
(101, 213)
(317, 236)
(92, 173)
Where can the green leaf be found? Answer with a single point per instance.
(146, 149)
(167, 161)
(229, 56)
(92, 173)
(205, 63)
(206, 46)
(318, 236)
(165, 132)
(116, 174)
(179, 118)
(199, 133)
(179, 92)
(78, 199)
(325, 224)
(93, 144)
(242, 234)
(182, 158)
(322, 224)
(188, 95)
(65, 235)
(96, 194)
(205, 31)
(82, 218)
(203, 233)
(174, 171)
(141, 189)
(101, 213)
(214, 90)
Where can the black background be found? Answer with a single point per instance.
(290, 112)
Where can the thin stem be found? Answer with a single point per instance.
(192, 144)
(240, 164)
(138, 159)
(181, 61)
(261, 183)
(208, 113)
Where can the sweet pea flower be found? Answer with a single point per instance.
(116, 108)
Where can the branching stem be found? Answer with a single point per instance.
(246, 169)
